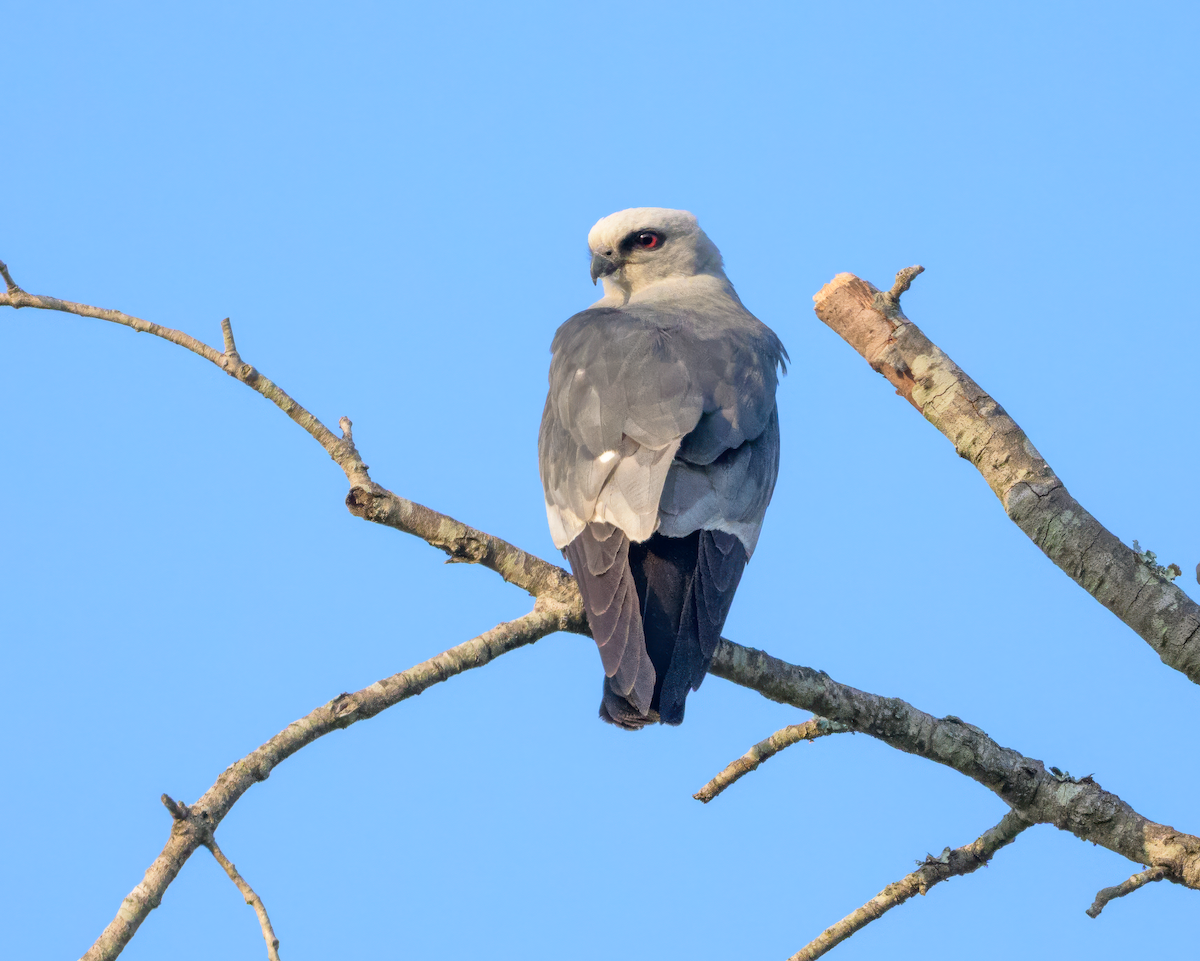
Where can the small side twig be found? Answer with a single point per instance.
(810, 730)
(949, 864)
(347, 427)
(888, 301)
(230, 347)
(1124, 888)
(904, 279)
(252, 899)
(11, 284)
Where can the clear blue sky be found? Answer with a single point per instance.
(391, 201)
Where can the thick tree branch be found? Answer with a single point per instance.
(194, 824)
(811, 729)
(1032, 495)
(1038, 796)
(964, 860)
(252, 899)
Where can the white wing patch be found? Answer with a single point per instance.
(630, 495)
(606, 456)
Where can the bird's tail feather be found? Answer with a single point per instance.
(717, 562)
(656, 609)
(599, 557)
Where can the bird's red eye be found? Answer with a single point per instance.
(648, 239)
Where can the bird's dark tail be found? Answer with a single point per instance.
(656, 610)
(686, 586)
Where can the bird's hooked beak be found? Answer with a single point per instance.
(603, 264)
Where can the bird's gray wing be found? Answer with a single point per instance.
(621, 399)
(716, 493)
(724, 471)
(729, 493)
(638, 392)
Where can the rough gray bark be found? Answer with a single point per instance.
(1125, 581)
(933, 870)
(766, 749)
(1037, 795)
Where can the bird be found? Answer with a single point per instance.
(658, 453)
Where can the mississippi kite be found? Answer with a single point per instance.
(658, 452)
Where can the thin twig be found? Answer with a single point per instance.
(811, 729)
(1125, 887)
(1080, 806)
(9, 282)
(366, 498)
(252, 899)
(190, 832)
(904, 279)
(228, 363)
(227, 335)
(964, 860)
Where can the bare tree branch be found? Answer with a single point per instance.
(811, 729)
(964, 860)
(366, 498)
(466, 544)
(251, 897)
(1032, 494)
(1125, 887)
(1038, 796)
(194, 824)
(230, 362)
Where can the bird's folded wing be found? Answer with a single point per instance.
(636, 389)
(621, 399)
(729, 493)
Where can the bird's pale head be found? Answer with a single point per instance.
(635, 249)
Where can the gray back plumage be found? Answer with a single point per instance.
(684, 400)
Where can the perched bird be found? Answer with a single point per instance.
(658, 452)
